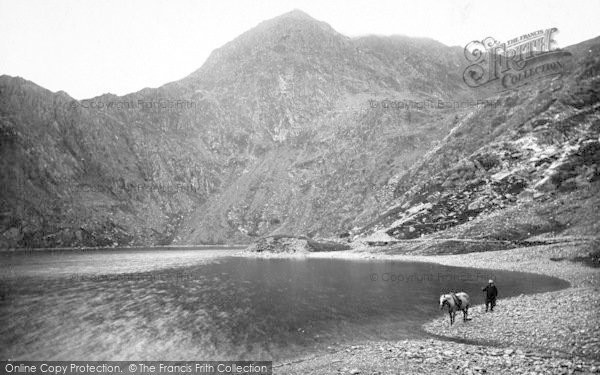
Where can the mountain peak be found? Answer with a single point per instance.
(273, 40)
(295, 17)
(297, 14)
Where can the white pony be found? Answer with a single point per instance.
(455, 302)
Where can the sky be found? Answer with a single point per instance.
(88, 48)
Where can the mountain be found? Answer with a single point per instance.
(290, 129)
(524, 167)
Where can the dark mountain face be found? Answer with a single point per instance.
(292, 128)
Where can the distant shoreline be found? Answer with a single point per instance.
(117, 248)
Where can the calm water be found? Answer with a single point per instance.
(206, 304)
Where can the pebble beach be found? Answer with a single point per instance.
(546, 333)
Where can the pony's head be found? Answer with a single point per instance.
(443, 300)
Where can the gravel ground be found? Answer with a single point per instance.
(434, 357)
(547, 333)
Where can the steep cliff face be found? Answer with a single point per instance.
(72, 175)
(290, 128)
(524, 166)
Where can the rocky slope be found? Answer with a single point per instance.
(286, 129)
(524, 166)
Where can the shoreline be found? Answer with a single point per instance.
(117, 248)
(547, 333)
(551, 332)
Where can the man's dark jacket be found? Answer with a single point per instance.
(490, 292)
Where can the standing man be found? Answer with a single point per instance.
(491, 292)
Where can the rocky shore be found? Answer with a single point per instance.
(283, 244)
(547, 333)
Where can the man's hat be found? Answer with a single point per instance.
(490, 281)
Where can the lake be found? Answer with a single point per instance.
(207, 304)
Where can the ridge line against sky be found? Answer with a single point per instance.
(88, 48)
